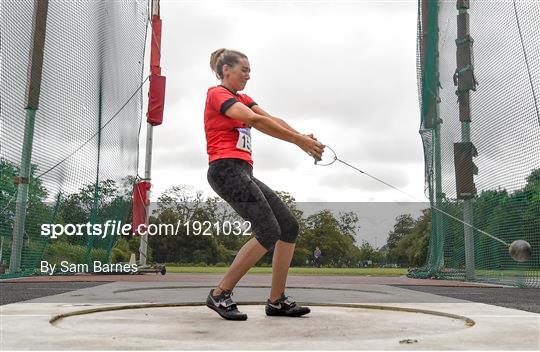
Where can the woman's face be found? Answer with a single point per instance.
(238, 75)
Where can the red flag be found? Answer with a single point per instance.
(156, 93)
(156, 100)
(155, 49)
(140, 200)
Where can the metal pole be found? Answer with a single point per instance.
(432, 89)
(32, 102)
(466, 82)
(468, 217)
(469, 240)
(438, 199)
(143, 247)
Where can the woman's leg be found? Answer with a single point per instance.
(246, 258)
(281, 261)
(232, 180)
(284, 248)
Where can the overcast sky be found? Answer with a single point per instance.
(344, 71)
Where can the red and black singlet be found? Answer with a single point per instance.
(226, 137)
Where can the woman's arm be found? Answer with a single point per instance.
(269, 126)
(257, 109)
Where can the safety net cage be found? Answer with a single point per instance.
(479, 89)
(71, 82)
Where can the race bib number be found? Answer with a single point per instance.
(244, 139)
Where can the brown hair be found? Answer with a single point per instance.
(222, 57)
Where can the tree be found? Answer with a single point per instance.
(367, 252)
(37, 211)
(180, 205)
(403, 226)
(411, 248)
(348, 224)
(323, 230)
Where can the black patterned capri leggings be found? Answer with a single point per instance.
(270, 218)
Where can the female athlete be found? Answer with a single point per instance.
(228, 119)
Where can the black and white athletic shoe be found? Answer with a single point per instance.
(285, 306)
(224, 306)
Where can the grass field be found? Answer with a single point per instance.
(298, 271)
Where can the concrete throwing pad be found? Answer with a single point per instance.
(171, 317)
(325, 327)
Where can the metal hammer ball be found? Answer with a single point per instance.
(520, 250)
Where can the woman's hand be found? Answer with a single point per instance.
(310, 145)
(311, 136)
